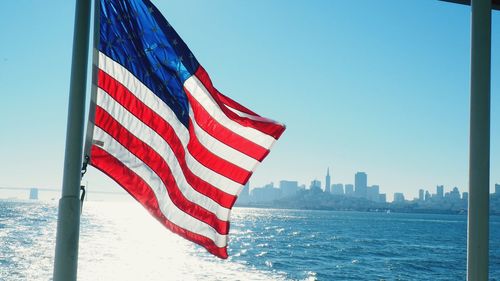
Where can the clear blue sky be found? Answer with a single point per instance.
(374, 86)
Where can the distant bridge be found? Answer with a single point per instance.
(29, 188)
(33, 191)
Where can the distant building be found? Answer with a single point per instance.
(244, 196)
(338, 189)
(455, 194)
(34, 194)
(360, 184)
(421, 195)
(327, 181)
(372, 193)
(268, 193)
(465, 196)
(427, 195)
(497, 189)
(288, 188)
(315, 185)
(399, 197)
(439, 191)
(349, 189)
(382, 198)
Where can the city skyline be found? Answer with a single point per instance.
(359, 197)
(422, 193)
(292, 195)
(356, 91)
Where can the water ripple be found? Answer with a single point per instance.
(119, 241)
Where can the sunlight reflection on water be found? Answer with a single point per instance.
(120, 241)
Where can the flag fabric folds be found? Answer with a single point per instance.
(163, 132)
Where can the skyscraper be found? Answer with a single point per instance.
(360, 184)
(497, 189)
(327, 181)
(421, 195)
(440, 191)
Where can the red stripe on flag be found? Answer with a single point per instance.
(141, 191)
(214, 162)
(273, 129)
(223, 134)
(124, 97)
(152, 159)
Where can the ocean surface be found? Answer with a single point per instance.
(120, 241)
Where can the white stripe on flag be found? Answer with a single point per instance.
(167, 207)
(158, 144)
(200, 93)
(221, 149)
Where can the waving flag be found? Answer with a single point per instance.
(164, 133)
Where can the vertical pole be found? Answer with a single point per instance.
(479, 149)
(68, 221)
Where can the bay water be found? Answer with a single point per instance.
(121, 241)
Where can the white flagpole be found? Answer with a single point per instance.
(479, 157)
(68, 221)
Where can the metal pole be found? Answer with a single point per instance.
(479, 157)
(68, 221)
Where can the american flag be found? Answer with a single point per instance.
(163, 132)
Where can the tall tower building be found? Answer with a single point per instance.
(360, 184)
(327, 181)
(421, 196)
(440, 191)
